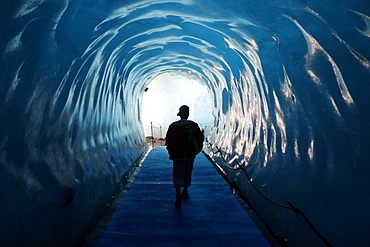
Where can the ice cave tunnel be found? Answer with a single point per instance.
(289, 83)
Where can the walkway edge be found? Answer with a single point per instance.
(243, 200)
(100, 226)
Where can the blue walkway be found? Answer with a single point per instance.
(212, 216)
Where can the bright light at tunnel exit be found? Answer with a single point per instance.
(166, 93)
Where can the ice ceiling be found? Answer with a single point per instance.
(290, 86)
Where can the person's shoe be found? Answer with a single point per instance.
(178, 200)
(185, 194)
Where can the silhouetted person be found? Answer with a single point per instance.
(184, 141)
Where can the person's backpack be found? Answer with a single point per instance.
(193, 140)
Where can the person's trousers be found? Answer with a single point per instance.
(182, 171)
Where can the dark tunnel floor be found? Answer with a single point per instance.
(212, 216)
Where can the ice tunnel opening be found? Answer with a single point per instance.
(166, 93)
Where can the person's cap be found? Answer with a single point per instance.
(183, 109)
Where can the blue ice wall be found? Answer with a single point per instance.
(290, 83)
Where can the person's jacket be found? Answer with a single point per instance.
(179, 143)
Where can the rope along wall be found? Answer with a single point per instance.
(288, 205)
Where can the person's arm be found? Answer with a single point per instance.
(199, 137)
(169, 139)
